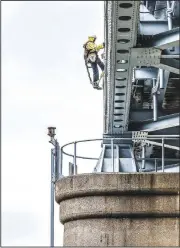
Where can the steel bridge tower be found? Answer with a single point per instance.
(132, 196)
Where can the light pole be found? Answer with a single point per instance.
(56, 173)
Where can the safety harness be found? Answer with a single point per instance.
(88, 51)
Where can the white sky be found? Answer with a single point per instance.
(44, 83)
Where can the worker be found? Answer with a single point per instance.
(91, 56)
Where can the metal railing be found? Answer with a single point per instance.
(73, 170)
(58, 152)
(57, 164)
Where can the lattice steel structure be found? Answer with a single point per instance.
(142, 83)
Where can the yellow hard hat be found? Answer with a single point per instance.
(92, 38)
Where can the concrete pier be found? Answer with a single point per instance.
(119, 209)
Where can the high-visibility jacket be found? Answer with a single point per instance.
(91, 48)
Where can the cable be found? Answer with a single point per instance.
(154, 10)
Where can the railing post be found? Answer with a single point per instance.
(74, 160)
(57, 160)
(112, 153)
(154, 101)
(71, 169)
(143, 157)
(52, 200)
(155, 165)
(163, 154)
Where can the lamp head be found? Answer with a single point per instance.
(51, 131)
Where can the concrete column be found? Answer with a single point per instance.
(106, 209)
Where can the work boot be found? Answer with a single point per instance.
(96, 84)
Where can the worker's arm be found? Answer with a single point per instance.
(93, 47)
(99, 47)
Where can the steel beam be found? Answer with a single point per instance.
(162, 123)
(166, 132)
(164, 40)
(116, 158)
(122, 35)
(140, 114)
(171, 65)
(152, 57)
(143, 114)
(146, 73)
(152, 27)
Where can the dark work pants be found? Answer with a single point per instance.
(95, 68)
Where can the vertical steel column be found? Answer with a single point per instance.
(60, 161)
(143, 157)
(52, 201)
(154, 102)
(71, 169)
(57, 160)
(112, 153)
(74, 159)
(162, 154)
(161, 78)
(169, 17)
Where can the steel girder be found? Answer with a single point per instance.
(152, 27)
(152, 57)
(164, 40)
(162, 123)
(124, 61)
(170, 64)
(115, 158)
(122, 25)
(145, 73)
(122, 56)
(140, 115)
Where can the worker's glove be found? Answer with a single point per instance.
(103, 44)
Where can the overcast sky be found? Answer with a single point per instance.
(44, 83)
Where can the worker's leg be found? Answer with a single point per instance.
(95, 72)
(100, 63)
